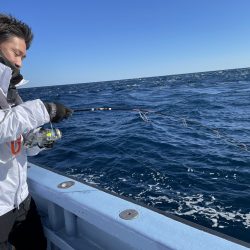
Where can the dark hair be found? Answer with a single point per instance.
(12, 27)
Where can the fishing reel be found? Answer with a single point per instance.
(42, 137)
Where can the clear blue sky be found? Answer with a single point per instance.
(95, 40)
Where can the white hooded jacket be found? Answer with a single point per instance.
(14, 122)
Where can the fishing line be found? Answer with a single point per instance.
(141, 162)
(143, 115)
(187, 123)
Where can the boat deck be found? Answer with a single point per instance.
(79, 216)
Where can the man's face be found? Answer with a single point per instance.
(14, 49)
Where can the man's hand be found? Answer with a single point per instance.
(57, 111)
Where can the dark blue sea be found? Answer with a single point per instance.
(189, 156)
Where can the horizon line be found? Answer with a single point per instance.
(142, 77)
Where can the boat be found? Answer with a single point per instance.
(81, 216)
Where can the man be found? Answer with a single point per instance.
(20, 223)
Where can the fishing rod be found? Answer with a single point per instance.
(102, 109)
(143, 113)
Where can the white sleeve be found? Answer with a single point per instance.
(21, 119)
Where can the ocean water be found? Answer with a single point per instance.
(189, 157)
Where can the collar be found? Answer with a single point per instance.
(5, 76)
(22, 82)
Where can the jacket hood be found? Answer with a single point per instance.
(5, 76)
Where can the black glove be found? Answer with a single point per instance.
(57, 111)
